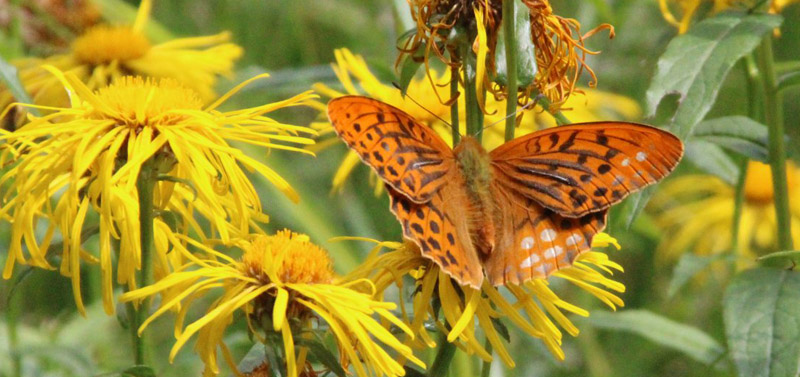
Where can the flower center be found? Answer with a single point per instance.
(104, 44)
(135, 102)
(758, 183)
(291, 256)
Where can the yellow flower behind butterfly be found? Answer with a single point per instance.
(284, 282)
(73, 174)
(697, 211)
(681, 13)
(104, 53)
(356, 78)
(532, 306)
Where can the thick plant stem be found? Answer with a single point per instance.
(737, 206)
(510, 35)
(145, 185)
(12, 321)
(773, 102)
(486, 368)
(560, 118)
(473, 110)
(454, 107)
(444, 355)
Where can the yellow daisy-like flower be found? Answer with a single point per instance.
(356, 78)
(285, 282)
(679, 13)
(697, 212)
(89, 157)
(535, 308)
(105, 53)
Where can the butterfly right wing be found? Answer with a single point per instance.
(533, 241)
(440, 228)
(409, 156)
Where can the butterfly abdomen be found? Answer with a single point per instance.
(475, 165)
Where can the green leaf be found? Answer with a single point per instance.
(8, 74)
(688, 267)
(739, 134)
(526, 51)
(408, 69)
(789, 80)
(322, 355)
(681, 337)
(761, 309)
(695, 64)
(638, 201)
(712, 159)
(412, 372)
(254, 358)
(790, 254)
(139, 371)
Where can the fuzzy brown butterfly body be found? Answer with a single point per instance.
(522, 211)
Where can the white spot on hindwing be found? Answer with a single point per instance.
(529, 261)
(527, 243)
(548, 235)
(553, 252)
(574, 239)
(626, 161)
(640, 156)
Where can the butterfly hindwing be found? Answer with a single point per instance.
(440, 229)
(408, 156)
(584, 168)
(533, 241)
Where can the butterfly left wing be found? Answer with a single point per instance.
(409, 156)
(584, 168)
(532, 242)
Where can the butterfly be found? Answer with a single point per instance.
(524, 210)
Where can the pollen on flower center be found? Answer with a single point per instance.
(758, 183)
(135, 102)
(292, 257)
(104, 44)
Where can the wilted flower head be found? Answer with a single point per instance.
(284, 284)
(89, 158)
(456, 310)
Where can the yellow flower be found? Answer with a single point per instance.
(356, 78)
(679, 13)
(697, 212)
(105, 53)
(284, 282)
(533, 309)
(88, 158)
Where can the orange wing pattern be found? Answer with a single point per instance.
(585, 168)
(409, 156)
(533, 241)
(440, 228)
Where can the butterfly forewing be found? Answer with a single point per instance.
(584, 168)
(408, 156)
(533, 241)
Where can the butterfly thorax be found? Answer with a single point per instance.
(475, 166)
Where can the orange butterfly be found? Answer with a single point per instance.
(522, 211)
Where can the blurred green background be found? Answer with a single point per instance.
(294, 41)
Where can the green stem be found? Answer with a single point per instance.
(773, 102)
(737, 207)
(510, 35)
(454, 107)
(444, 355)
(560, 118)
(145, 185)
(12, 321)
(473, 109)
(486, 368)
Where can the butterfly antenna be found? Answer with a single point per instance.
(526, 107)
(396, 85)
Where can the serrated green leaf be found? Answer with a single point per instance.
(9, 77)
(323, 355)
(526, 51)
(695, 64)
(761, 309)
(712, 159)
(681, 337)
(688, 267)
(139, 371)
(739, 134)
